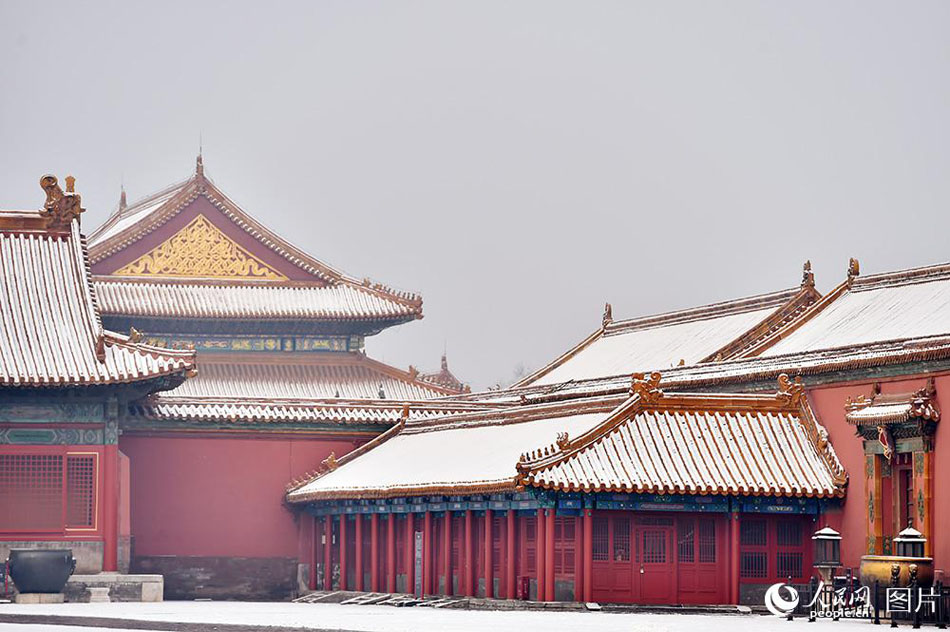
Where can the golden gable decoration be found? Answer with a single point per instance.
(200, 249)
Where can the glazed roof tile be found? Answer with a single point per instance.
(867, 311)
(50, 331)
(705, 444)
(679, 338)
(697, 444)
(167, 298)
(346, 296)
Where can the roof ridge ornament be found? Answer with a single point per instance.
(854, 270)
(790, 392)
(647, 387)
(808, 277)
(60, 208)
(608, 314)
(331, 462)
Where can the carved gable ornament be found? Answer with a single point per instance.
(200, 249)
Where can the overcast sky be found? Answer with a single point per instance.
(518, 163)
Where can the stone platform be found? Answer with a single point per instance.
(37, 598)
(120, 587)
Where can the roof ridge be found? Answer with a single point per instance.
(908, 276)
(703, 312)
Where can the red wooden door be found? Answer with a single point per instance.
(656, 571)
(613, 559)
(699, 560)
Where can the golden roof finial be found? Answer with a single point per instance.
(854, 269)
(808, 277)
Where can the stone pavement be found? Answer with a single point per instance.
(191, 616)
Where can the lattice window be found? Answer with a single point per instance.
(621, 534)
(753, 532)
(80, 491)
(788, 533)
(684, 541)
(753, 564)
(707, 541)
(600, 542)
(790, 548)
(31, 492)
(788, 564)
(564, 545)
(531, 543)
(654, 547)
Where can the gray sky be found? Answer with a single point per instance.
(518, 163)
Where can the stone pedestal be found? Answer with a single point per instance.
(114, 587)
(34, 598)
(98, 594)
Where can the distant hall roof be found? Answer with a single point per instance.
(192, 287)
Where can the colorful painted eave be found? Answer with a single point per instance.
(51, 333)
(131, 223)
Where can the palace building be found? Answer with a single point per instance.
(282, 382)
(236, 438)
(665, 460)
(64, 383)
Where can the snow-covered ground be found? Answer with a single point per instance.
(390, 619)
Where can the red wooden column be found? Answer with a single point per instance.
(374, 552)
(410, 554)
(314, 548)
(427, 554)
(447, 550)
(110, 505)
(391, 553)
(510, 554)
(469, 587)
(734, 556)
(489, 540)
(359, 552)
(587, 551)
(328, 553)
(549, 555)
(540, 551)
(343, 552)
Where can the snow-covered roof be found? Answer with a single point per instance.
(727, 444)
(864, 311)
(697, 444)
(680, 338)
(50, 331)
(880, 408)
(325, 292)
(468, 453)
(177, 298)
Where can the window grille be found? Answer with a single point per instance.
(788, 533)
(47, 492)
(600, 537)
(788, 564)
(753, 564)
(531, 543)
(684, 538)
(80, 491)
(621, 539)
(654, 547)
(753, 532)
(707, 541)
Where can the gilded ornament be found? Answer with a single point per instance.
(919, 463)
(920, 505)
(201, 250)
(871, 507)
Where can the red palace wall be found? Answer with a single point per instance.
(208, 512)
(829, 405)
